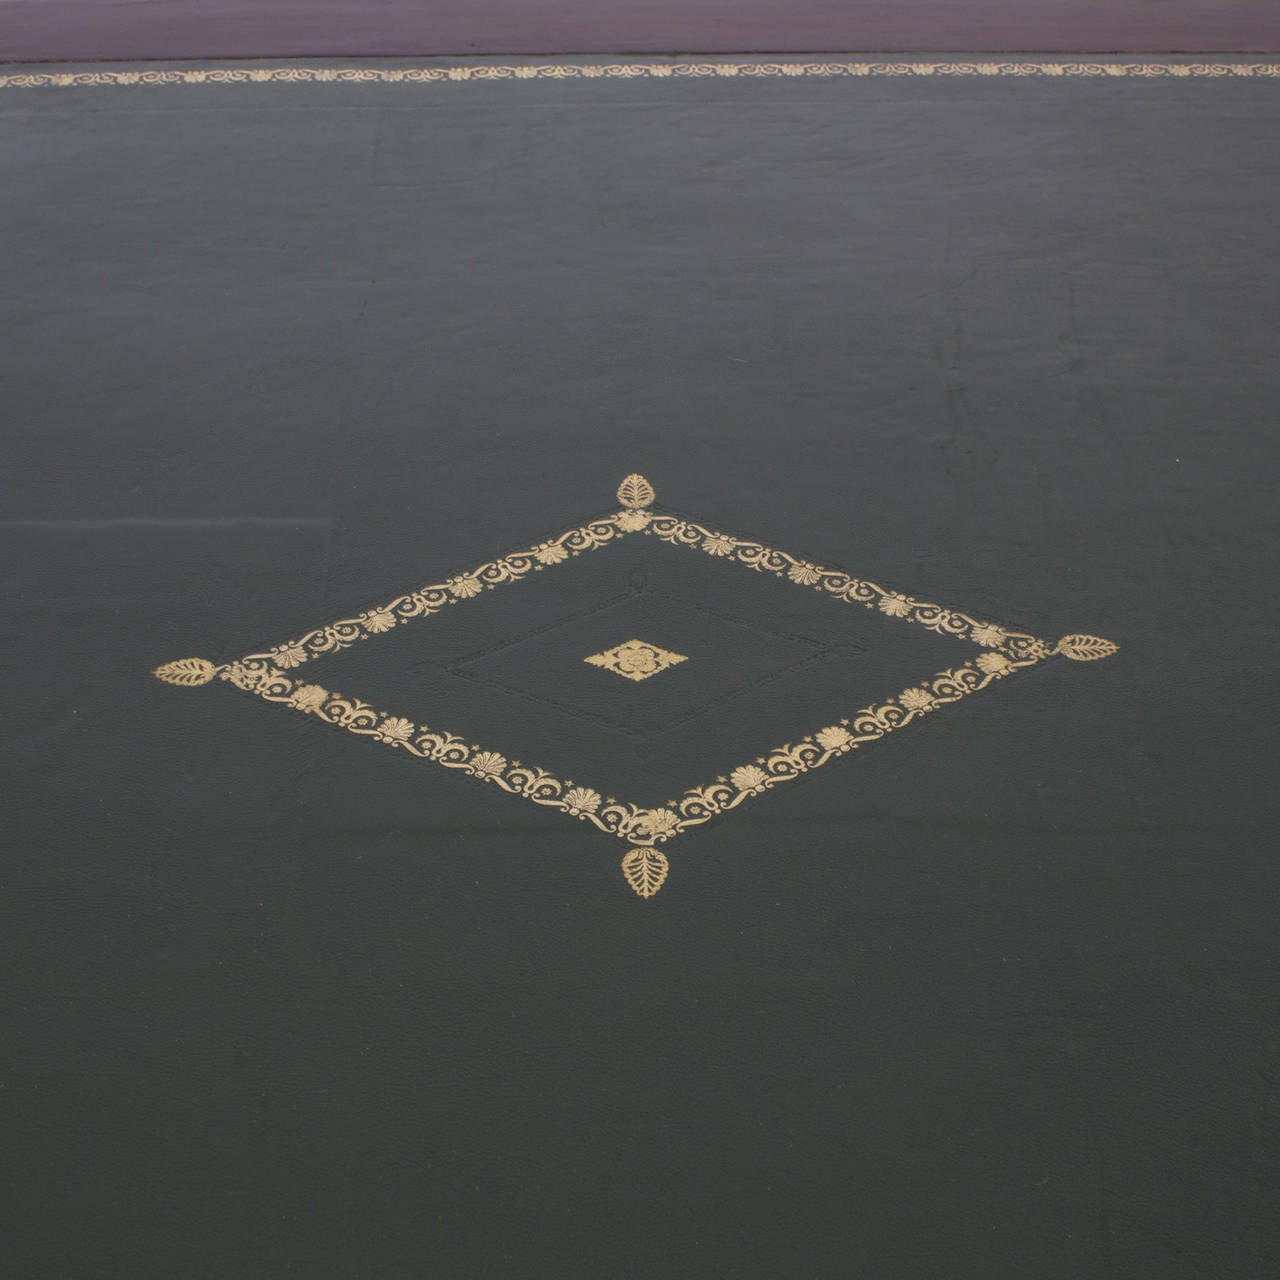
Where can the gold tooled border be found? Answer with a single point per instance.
(1003, 653)
(1089, 69)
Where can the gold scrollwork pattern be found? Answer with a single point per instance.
(438, 746)
(1004, 652)
(961, 68)
(427, 600)
(793, 760)
(843, 586)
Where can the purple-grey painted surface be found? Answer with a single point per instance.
(72, 30)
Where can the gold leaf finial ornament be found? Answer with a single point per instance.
(636, 492)
(187, 672)
(1085, 648)
(646, 869)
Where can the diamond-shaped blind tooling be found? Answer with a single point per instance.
(274, 676)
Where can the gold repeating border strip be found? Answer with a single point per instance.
(1005, 652)
(436, 745)
(517, 565)
(1091, 69)
(422, 603)
(843, 586)
(630, 822)
(786, 763)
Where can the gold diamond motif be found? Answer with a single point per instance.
(636, 659)
(1004, 652)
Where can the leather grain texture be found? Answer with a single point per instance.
(992, 999)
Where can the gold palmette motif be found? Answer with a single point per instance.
(272, 676)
